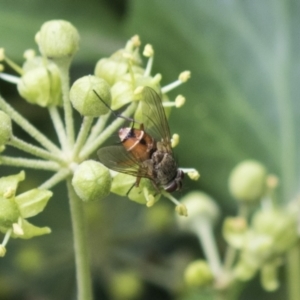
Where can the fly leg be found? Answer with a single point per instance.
(136, 184)
(156, 188)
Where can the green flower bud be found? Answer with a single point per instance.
(58, 39)
(199, 206)
(123, 61)
(34, 62)
(247, 181)
(280, 225)
(246, 268)
(129, 54)
(112, 70)
(91, 181)
(181, 209)
(123, 91)
(2, 251)
(269, 276)
(5, 128)
(234, 230)
(84, 99)
(198, 274)
(123, 183)
(256, 250)
(126, 285)
(9, 213)
(41, 86)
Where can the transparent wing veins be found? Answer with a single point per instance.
(117, 158)
(154, 117)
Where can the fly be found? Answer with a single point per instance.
(146, 152)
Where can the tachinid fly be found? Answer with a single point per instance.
(146, 152)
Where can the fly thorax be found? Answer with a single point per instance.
(165, 167)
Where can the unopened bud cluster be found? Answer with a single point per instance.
(272, 231)
(40, 82)
(257, 242)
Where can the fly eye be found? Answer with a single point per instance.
(172, 187)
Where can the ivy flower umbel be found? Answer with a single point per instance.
(43, 80)
(260, 242)
(116, 80)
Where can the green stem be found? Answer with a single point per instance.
(93, 146)
(149, 66)
(63, 66)
(83, 273)
(59, 126)
(230, 256)
(30, 129)
(13, 65)
(293, 273)
(203, 229)
(83, 133)
(36, 151)
(29, 163)
(98, 128)
(55, 179)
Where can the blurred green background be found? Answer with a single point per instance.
(242, 102)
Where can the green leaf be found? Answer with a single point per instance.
(32, 202)
(243, 97)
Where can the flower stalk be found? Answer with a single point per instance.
(82, 261)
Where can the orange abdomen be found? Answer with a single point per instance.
(138, 142)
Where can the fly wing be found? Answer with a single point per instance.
(154, 117)
(117, 158)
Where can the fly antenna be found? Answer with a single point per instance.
(113, 112)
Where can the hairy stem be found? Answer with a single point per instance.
(63, 66)
(83, 133)
(26, 126)
(83, 273)
(204, 231)
(98, 128)
(55, 179)
(29, 163)
(59, 126)
(36, 151)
